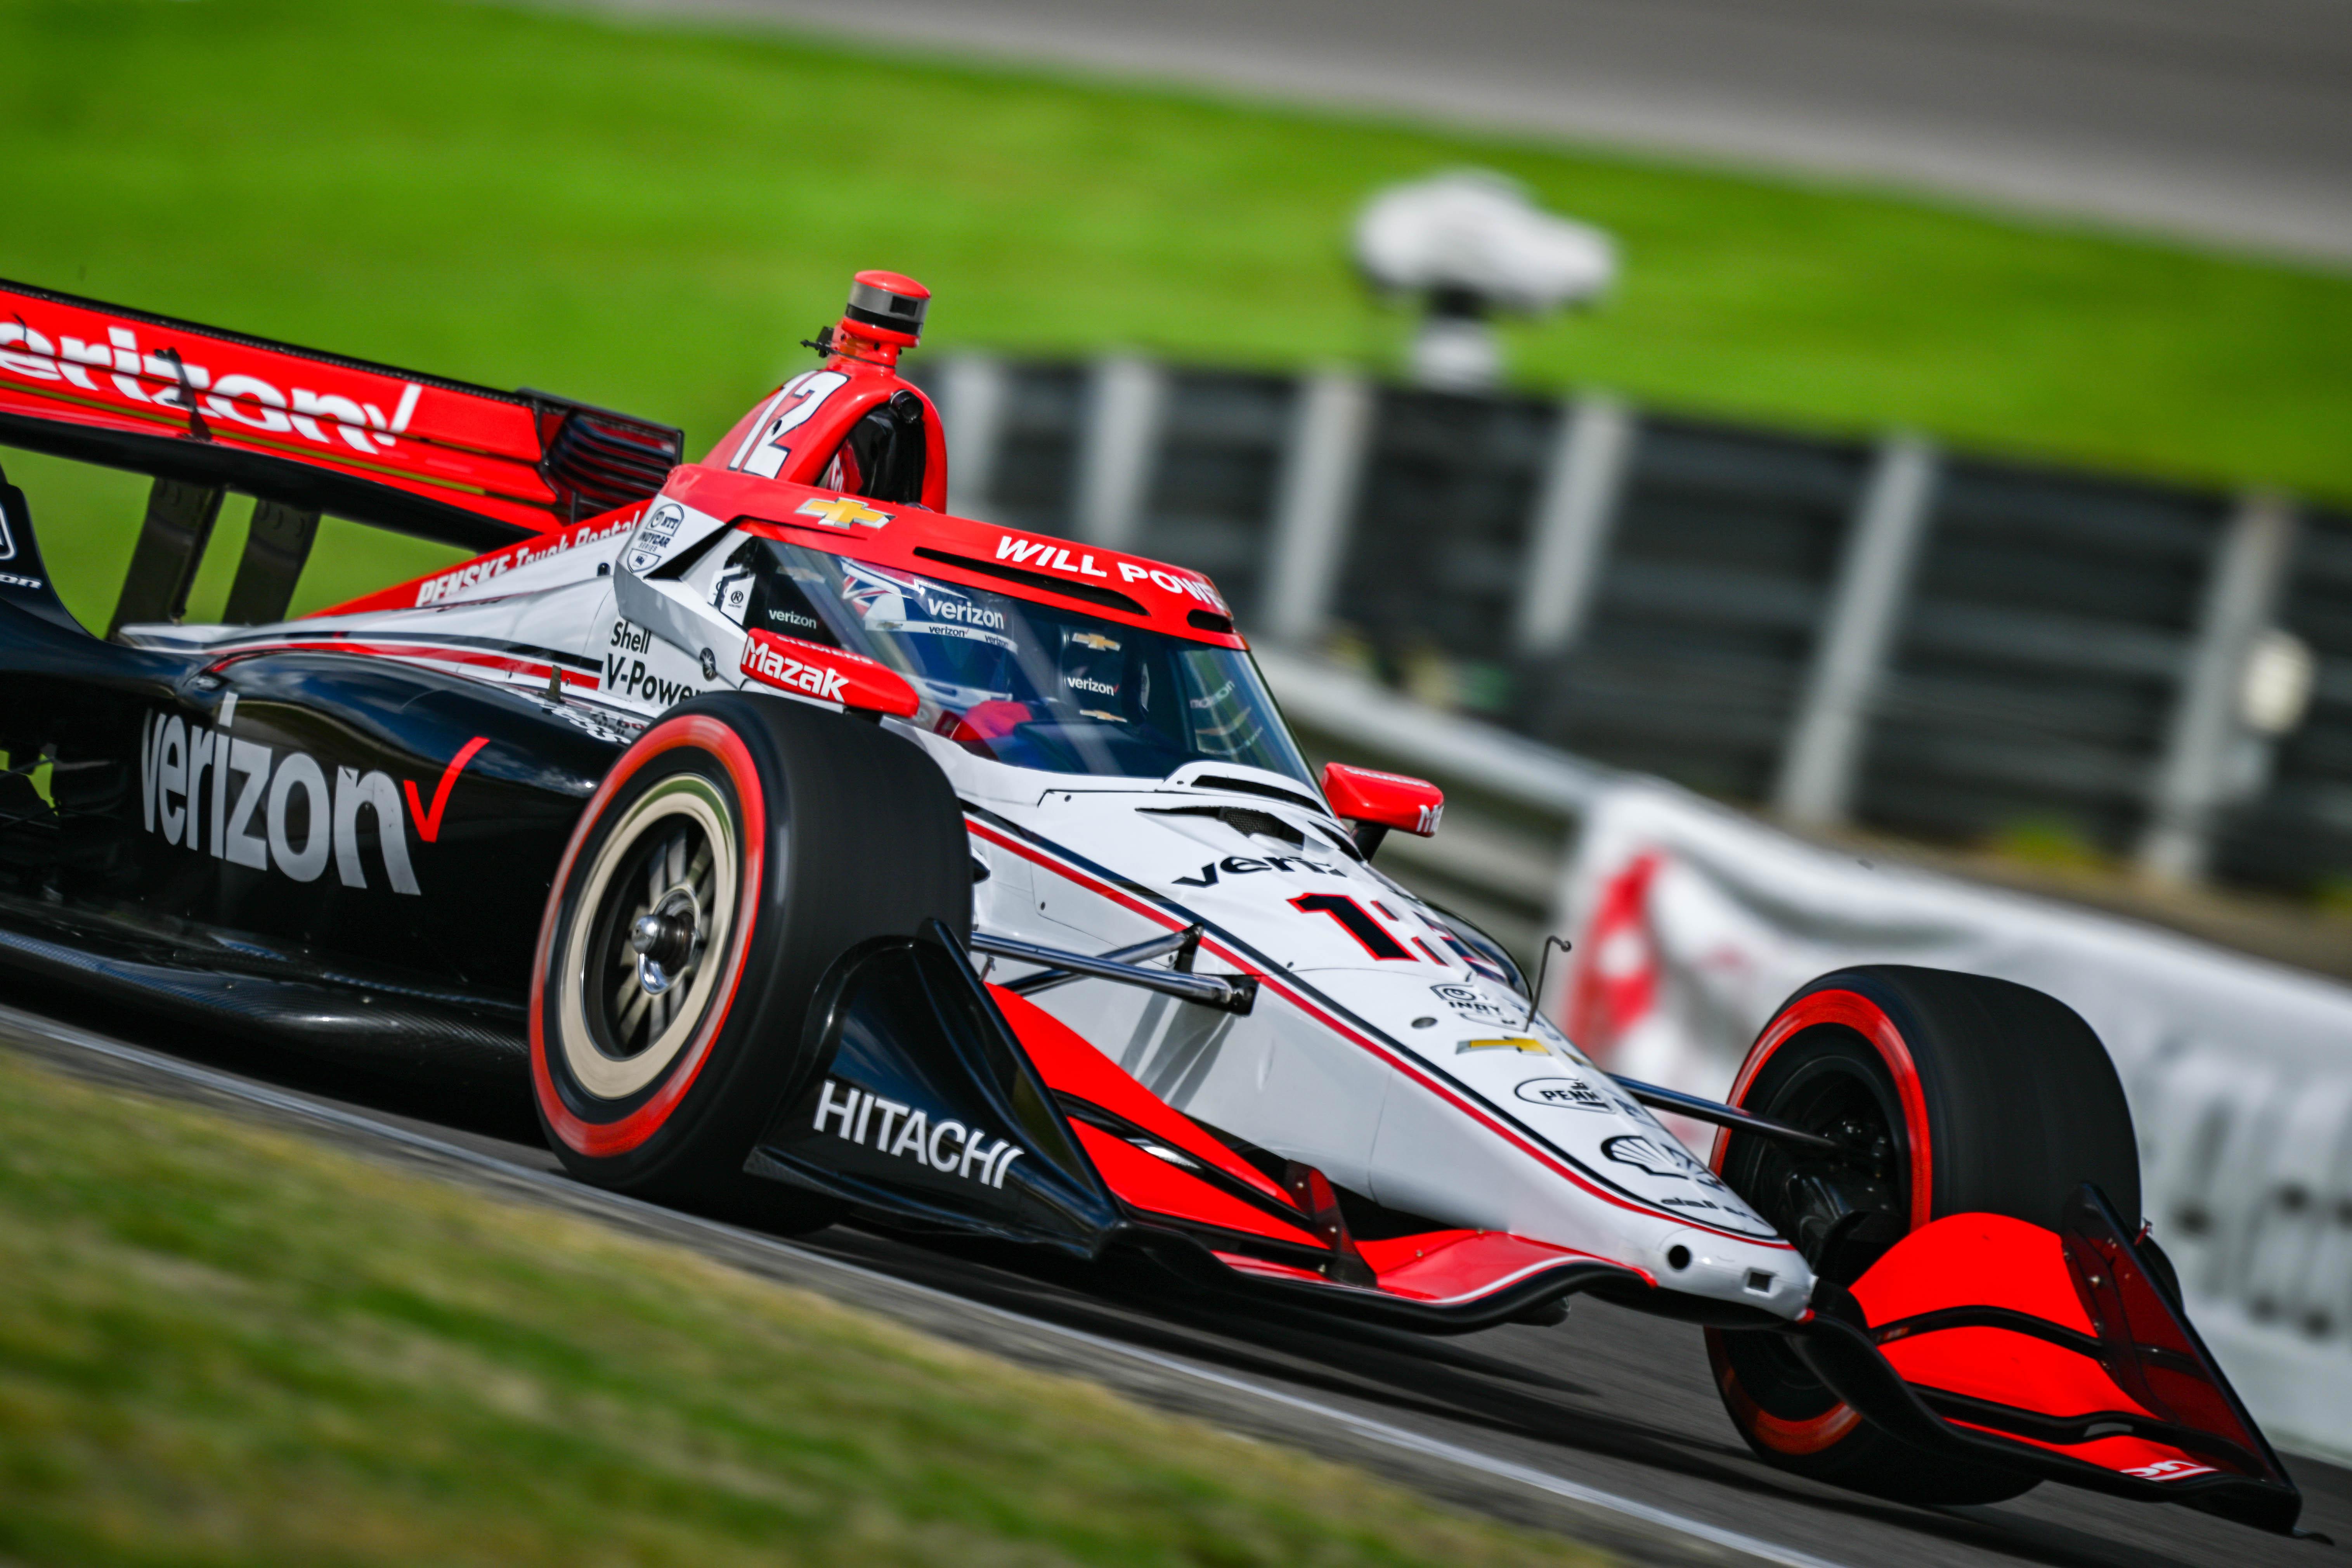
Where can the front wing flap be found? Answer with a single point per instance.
(2053, 1352)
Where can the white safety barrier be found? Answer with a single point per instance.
(1692, 923)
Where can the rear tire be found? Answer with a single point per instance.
(769, 839)
(1972, 1095)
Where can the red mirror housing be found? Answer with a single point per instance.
(827, 674)
(1377, 802)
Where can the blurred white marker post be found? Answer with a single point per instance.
(1471, 242)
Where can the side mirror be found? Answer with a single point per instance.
(828, 674)
(1376, 802)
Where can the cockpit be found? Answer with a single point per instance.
(1017, 681)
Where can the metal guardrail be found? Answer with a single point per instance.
(1845, 631)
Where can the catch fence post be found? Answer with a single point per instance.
(1119, 447)
(2241, 593)
(1315, 502)
(973, 394)
(1823, 759)
(1575, 514)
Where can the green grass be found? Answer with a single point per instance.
(223, 1345)
(653, 218)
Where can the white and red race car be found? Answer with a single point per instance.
(818, 853)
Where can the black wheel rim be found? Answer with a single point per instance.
(632, 994)
(1841, 1210)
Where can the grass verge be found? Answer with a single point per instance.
(652, 217)
(219, 1344)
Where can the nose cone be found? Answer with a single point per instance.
(1727, 1269)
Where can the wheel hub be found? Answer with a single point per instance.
(664, 939)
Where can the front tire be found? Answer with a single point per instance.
(736, 851)
(1955, 1094)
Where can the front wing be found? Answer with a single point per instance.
(936, 1101)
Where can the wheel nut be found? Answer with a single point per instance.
(661, 938)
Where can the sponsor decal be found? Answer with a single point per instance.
(1089, 683)
(1214, 697)
(1661, 1156)
(162, 378)
(887, 603)
(828, 674)
(731, 595)
(10, 579)
(1244, 865)
(428, 823)
(8, 539)
(1565, 1093)
(904, 1133)
(1532, 1047)
(2170, 1471)
(1632, 1149)
(655, 534)
(962, 612)
(625, 676)
(210, 791)
(1472, 1004)
(841, 511)
(450, 583)
(764, 662)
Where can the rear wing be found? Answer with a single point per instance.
(214, 410)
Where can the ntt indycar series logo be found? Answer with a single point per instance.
(904, 1132)
(208, 790)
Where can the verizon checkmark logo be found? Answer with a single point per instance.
(428, 823)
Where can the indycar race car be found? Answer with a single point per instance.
(814, 854)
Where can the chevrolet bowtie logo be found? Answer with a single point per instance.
(841, 512)
(1513, 1043)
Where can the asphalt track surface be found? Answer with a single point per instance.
(2224, 121)
(1604, 1429)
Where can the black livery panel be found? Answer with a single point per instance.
(299, 817)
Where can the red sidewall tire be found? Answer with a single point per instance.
(628, 1130)
(1840, 1008)
(771, 838)
(1999, 1100)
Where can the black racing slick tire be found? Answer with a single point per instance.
(765, 838)
(1954, 1094)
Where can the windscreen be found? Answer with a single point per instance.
(1017, 681)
